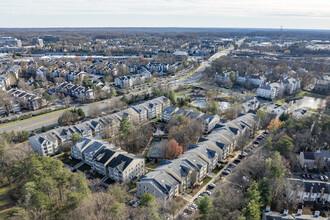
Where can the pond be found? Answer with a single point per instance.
(307, 102)
(199, 103)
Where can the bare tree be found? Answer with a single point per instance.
(93, 111)
(67, 100)
(319, 162)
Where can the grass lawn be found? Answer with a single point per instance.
(152, 165)
(6, 204)
(156, 119)
(280, 102)
(217, 169)
(206, 180)
(131, 186)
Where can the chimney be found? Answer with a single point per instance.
(316, 214)
(299, 212)
(310, 193)
(322, 192)
(285, 212)
(268, 208)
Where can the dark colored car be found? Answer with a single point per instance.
(256, 142)
(237, 161)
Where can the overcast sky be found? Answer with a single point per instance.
(301, 14)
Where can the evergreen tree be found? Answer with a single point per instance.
(204, 205)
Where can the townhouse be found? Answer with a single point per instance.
(251, 105)
(97, 127)
(291, 85)
(9, 76)
(271, 215)
(44, 144)
(254, 80)
(26, 100)
(73, 75)
(168, 112)
(307, 159)
(75, 90)
(270, 90)
(309, 191)
(159, 183)
(223, 77)
(131, 80)
(193, 165)
(126, 168)
(108, 160)
(208, 122)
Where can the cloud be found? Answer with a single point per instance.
(232, 8)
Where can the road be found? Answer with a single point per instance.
(50, 119)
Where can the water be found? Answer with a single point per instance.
(200, 103)
(307, 103)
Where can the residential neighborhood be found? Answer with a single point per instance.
(164, 123)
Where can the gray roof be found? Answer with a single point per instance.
(162, 180)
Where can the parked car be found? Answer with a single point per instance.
(225, 173)
(256, 142)
(212, 185)
(237, 161)
(206, 192)
(232, 165)
(303, 176)
(260, 137)
(308, 176)
(325, 178)
(242, 156)
(311, 176)
(321, 177)
(228, 169)
(194, 206)
(136, 204)
(266, 132)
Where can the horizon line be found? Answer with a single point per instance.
(169, 27)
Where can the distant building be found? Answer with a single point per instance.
(37, 42)
(291, 85)
(10, 42)
(270, 90)
(50, 39)
(223, 77)
(251, 105)
(254, 80)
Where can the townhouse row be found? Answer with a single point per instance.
(49, 143)
(208, 122)
(171, 178)
(108, 160)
